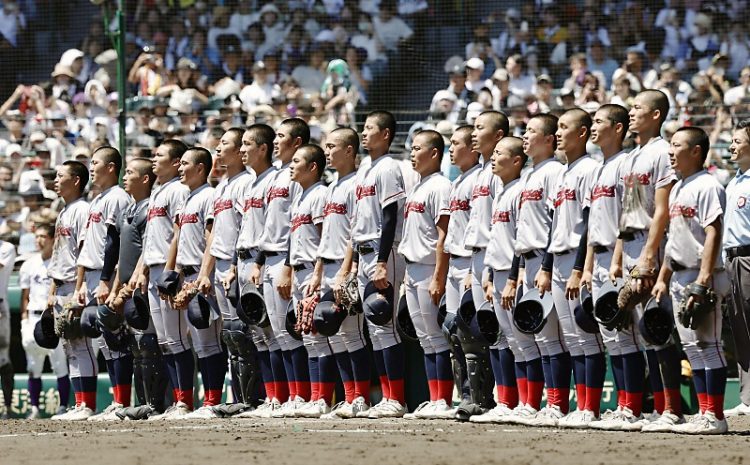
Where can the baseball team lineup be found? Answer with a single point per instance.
(529, 274)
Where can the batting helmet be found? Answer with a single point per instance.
(378, 304)
(442, 311)
(108, 318)
(482, 322)
(530, 314)
(233, 294)
(404, 325)
(327, 317)
(252, 307)
(138, 314)
(199, 311)
(606, 310)
(291, 321)
(89, 320)
(657, 323)
(116, 340)
(584, 312)
(168, 283)
(44, 331)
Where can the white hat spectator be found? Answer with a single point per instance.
(226, 87)
(269, 8)
(326, 35)
(70, 56)
(703, 20)
(474, 109)
(475, 63)
(62, 70)
(37, 137)
(444, 95)
(13, 149)
(500, 74)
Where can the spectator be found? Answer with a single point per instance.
(310, 76)
(474, 72)
(148, 72)
(702, 46)
(206, 58)
(389, 29)
(359, 71)
(295, 49)
(338, 94)
(598, 61)
(177, 44)
(273, 28)
(261, 91)
(187, 80)
(65, 85)
(623, 94)
(220, 27)
(521, 83)
(740, 93)
(231, 66)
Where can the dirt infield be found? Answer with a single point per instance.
(361, 442)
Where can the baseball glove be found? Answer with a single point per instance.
(628, 297)
(703, 302)
(68, 322)
(186, 294)
(123, 295)
(305, 311)
(347, 296)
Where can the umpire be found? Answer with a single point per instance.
(737, 251)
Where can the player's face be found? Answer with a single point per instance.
(421, 155)
(602, 128)
(502, 160)
(227, 151)
(43, 240)
(129, 179)
(460, 151)
(681, 155)
(372, 136)
(250, 151)
(335, 150)
(300, 167)
(535, 142)
(189, 170)
(162, 164)
(567, 133)
(283, 144)
(740, 148)
(642, 117)
(483, 137)
(99, 170)
(64, 181)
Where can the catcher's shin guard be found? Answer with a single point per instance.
(243, 362)
(458, 361)
(153, 371)
(481, 380)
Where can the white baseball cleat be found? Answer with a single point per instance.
(108, 414)
(703, 423)
(572, 418)
(425, 407)
(609, 414)
(443, 411)
(584, 419)
(741, 409)
(264, 410)
(78, 413)
(34, 413)
(492, 416)
(359, 408)
(664, 424)
(521, 415)
(314, 409)
(205, 412)
(372, 410)
(173, 412)
(339, 411)
(621, 420)
(548, 416)
(391, 409)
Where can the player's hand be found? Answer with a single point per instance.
(102, 292)
(227, 281)
(615, 271)
(380, 276)
(313, 287)
(586, 280)
(508, 299)
(488, 288)
(436, 290)
(543, 282)
(204, 285)
(573, 286)
(338, 284)
(467, 281)
(51, 301)
(645, 283)
(80, 296)
(255, 274)
(659, 289)
(284, 287)
(141, 283)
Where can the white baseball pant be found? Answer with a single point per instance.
(458, 268)
(550, 339)
(275, 305)
(35, 355)
(79, 352)
(262, 337)
(522, 345)
(315, 344)
(422, 310)
(350, 337)
(206, 342)
(171, 326)
(386, 335)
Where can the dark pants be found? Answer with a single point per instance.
(739, 315)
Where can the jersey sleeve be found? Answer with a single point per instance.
(24, 276)
(80, 222)
(585, 186)
(552, 185)
(207, 209)
(711, 204)
(390, 185)
(663, 171)
(441, 201)
(113, 208)
(318, 205)
(176, 201)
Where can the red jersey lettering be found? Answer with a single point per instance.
(500, 217)
(602, 191)
(332, 208)
(480, 191)
(563, 195)
(459, 205)
(277, 192)
(255, 202)
(683, 211)
(643, 179)
(300, 220)
(221, 205)
(188, 218)
(365, 191)
(156, 212)
(417, 207)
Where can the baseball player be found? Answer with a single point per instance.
(307, 214)
(608, 130)
(277, 279)
(192, 230)
(348, 346)
(149, 369)
(171, 326)
(70, 182)
(692, 266)
(648, 179)
(35, 283)
(7, 259)
(426, 216)
(217, 261)
(568, 244)
(736, 248)
(508, 160)
(466, 159)
(489, 128)
(538, 188)
(379, 193)
(257, 153)
(96, 263)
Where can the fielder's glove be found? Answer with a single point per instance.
(68, 322)
(348, 295)
(123, 295)
(186, 294)
(628, 297)
(305, 311)
(703, 302)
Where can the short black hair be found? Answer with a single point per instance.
(144, 167)
(350, 137)
(384, 120)
(237, 132)
(696, 137)
(110, 154)
(202, 157)
(617, 114)
(175, 148)
(314, 154)
(657, 100)
(498, 120)
(434, 139)
(549, 126)
(581, 118)
(263, 134)
(745, 124)
(298, 128)
(515, 145)
(466, 130)
(79, 170)
(49, 228)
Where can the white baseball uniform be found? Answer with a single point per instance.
(334, 239)
(539, 186)
(228, 205)
(274, 243)
(171, 326)
(499, 260)
(33, 276)
(694, 203)
(572, 194)
(251, 229)
(193, 218)
(426, 203)
(376, 187)
(460, 258)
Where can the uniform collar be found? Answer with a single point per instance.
(267, 172)
(541, 164)
(584, 157)
(693, 176)
(197, 191)
(614, 157)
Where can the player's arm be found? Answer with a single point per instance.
(588, 268)
(80, 293)
(437, 285)
(387, 237)
(658, 227)
(615, 268)
(661, 287)
(172, 253)
(508, 298)
(711, 248)
(317, 275)
(208, 263)
(573, 286)
(24, 303)
(51, 299)
(111, 256)
(543, 278)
